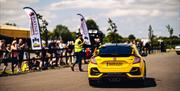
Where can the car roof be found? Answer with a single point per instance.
(117, 44)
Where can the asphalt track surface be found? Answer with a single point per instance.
(163, 74)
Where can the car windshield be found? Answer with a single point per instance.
(115, 51)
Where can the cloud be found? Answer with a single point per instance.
(116, 8)
(1, 1)
(69, 4)
(111, 4)
(133, 12)
(144, 12)
(11, 11)
(49, 16)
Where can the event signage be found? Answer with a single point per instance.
(36, 42)
(84, 30)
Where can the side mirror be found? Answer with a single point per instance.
(143, 54)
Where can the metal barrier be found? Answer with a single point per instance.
(45, 55)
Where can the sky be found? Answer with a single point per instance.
(130, 16)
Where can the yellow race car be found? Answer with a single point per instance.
(116, 62)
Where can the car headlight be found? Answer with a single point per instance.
(136, 60)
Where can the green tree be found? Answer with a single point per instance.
(112, 27)
(43, 35)
(150, 33)
(62, 32)
(174, 37)
(10, 24)
(50, 35)
(170, 30)
(131, 37)
(73, 35)
(174, 40)
(44, 31)
(91, 25)
(43, 28)
(112, 36)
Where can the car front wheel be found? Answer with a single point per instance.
(93, 82)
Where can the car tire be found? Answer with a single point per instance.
(143, 80)
(178, 53)
(93, 82)
(144, 70)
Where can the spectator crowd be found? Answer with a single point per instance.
(19, 58)
(13, 53)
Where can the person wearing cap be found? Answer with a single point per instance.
(14, 55)
(21, 48)
(78, 46)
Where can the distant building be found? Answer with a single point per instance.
(13, 32)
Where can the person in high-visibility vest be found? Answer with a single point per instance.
(78, 46)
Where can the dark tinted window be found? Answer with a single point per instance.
(115, 51)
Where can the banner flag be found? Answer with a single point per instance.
(36, 42)
(84, 30)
